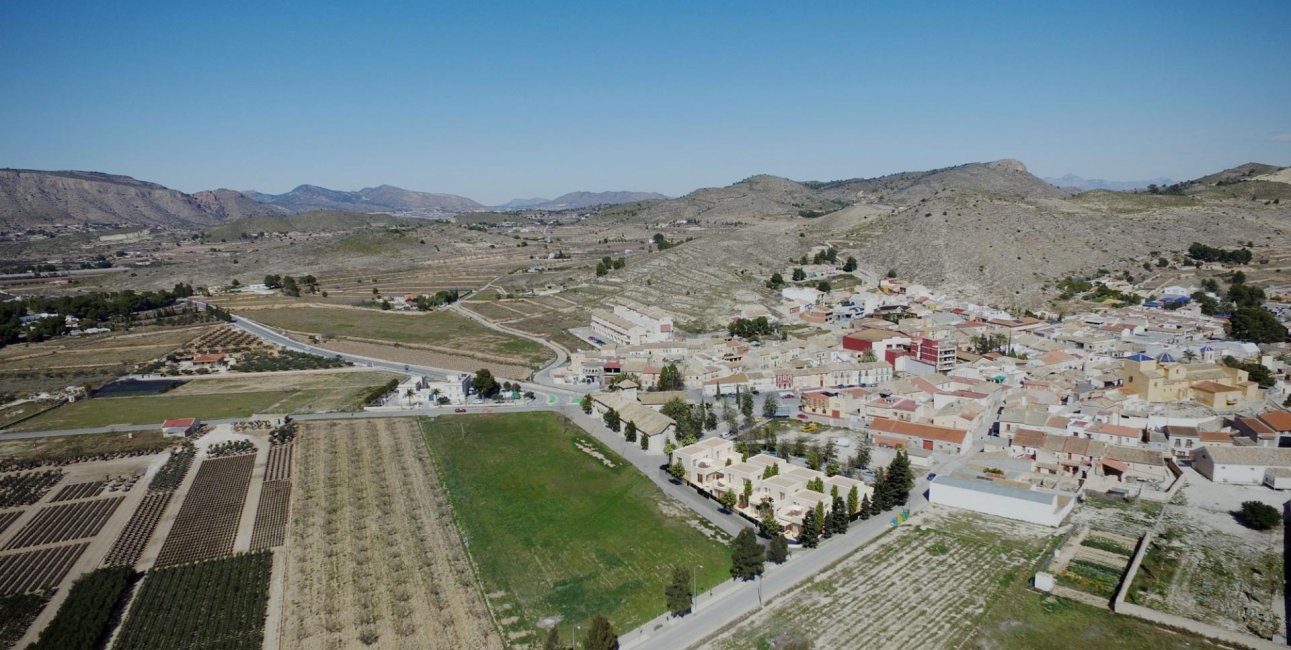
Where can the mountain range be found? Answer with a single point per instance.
(1072, 181)
(30, 198)
(383, 198)
(579, 200)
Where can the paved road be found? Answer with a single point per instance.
(733, 601)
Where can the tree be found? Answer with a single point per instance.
(612, 420)
(863, 454)
(799, 275)
(820, 518)
(678, 593)
(778, 550)
(776, 281)
(1260, 516)
(670, 378)
(553, 639)
(748, 492)
(808, 537)
(850, 264)
(630, 431)
(768, 524)
(273, 281)
(645, 441)
(866, 507)
(840, 514)
(770, 404)
(484, 384)
(727, 500)
(601, 635)
(747, 555)
(853, 504)
(823, 286)
(901, 479)
(746, 404)
(677, 470)
(600, 269)
(1256, 324)
(892, 274)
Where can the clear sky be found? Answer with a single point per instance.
(503, 100)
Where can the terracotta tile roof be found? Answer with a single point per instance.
(1117, 430)
(925, 431)
(1028, 438)
(1278, 420)
(1214, 387)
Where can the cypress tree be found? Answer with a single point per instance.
(866, 507)
(853, 502)
(677, 593)
(601, 635)
(778, 551)
(808, 537)
(820, 518)
(747, 555)
(840, 516)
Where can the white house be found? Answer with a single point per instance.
(1009, 499)
(1240, 465)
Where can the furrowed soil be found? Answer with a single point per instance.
(374, 559)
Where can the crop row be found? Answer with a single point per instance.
(85, 618)
(215, 604)
(279, 465)
(271, 515)
(79, 491)
(66, 522)
(207, 523)
(7, 519)
(136, 533)
(230, 448)
(37, 570)
(26, 489)
(172, 473)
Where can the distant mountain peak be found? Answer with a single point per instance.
(581, 199)
(1074, 182)
(382, 198)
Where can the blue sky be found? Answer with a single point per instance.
(503, 100)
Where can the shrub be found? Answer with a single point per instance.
(1260, 516)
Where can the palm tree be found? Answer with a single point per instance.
(1189, 355)
(408, 395)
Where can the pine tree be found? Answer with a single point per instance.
(778, 551)
(601, 635)
(866, 507)
(678, 593)
(747, 555)
(840, 516)
(612, 420)
(808, 537)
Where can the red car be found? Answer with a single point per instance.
(459, 410)
(802, 416)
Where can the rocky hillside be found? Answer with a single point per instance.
(31, 198)
(383, 198)
(988, 230)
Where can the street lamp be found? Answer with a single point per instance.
(694, 584)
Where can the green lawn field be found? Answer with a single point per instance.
(108, 411)
(555, 532)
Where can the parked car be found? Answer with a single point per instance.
(931, 476)
(802, 416)
(459, 410)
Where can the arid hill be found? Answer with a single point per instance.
(30, 198)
